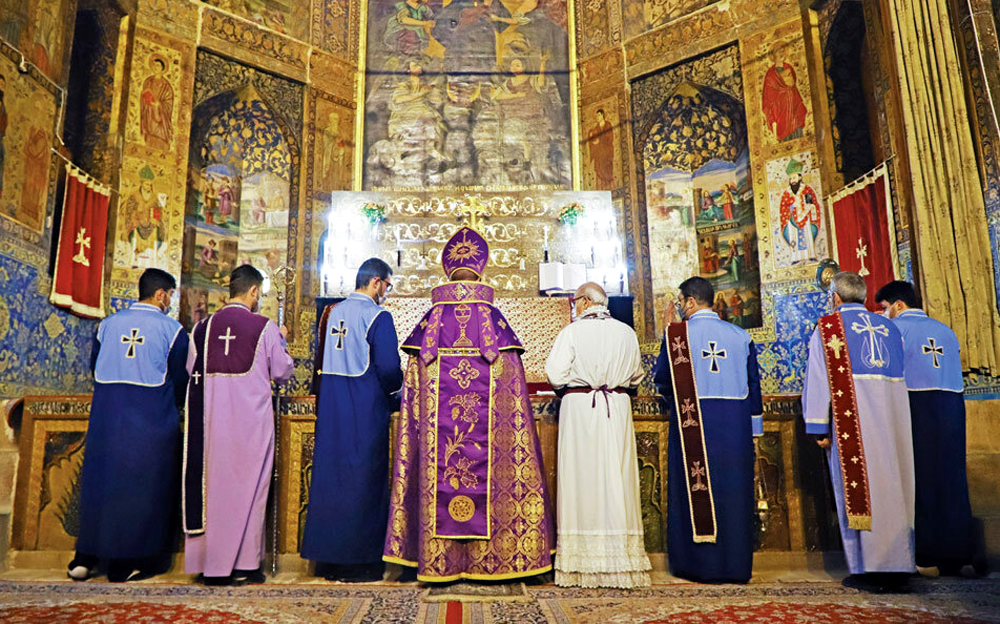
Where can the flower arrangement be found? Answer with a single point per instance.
(569, 213)
(375, 213)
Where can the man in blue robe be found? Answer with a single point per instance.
(854, 401)
(130, 481)
(358, 377)
(933, 372)
(707, 371)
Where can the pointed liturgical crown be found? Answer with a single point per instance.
(467, 248)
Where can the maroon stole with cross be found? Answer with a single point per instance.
(846, 424)
(214, 356)
(692, 435)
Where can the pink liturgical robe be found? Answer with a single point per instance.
(238, 446)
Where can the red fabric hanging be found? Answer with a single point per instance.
(865, 243)
(79, 276)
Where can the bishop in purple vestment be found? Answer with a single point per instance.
(229, 434)
(468, 496)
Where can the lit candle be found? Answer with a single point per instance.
(522, 264)
(399, 249)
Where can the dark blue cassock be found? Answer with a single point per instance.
(130, 483)
(933, 371)
(358, 374)
(728, 383)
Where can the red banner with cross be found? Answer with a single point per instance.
(864, 234)
(78, 283)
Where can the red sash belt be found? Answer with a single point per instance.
(687, 408)
(846, 425)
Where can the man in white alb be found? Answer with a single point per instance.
(594, 366)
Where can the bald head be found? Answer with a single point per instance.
(593, 292)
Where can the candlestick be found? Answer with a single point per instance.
(593, 256)
(522, 264)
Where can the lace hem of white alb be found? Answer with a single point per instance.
(615, 580)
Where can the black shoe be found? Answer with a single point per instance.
(879, 582)
(215, 581)
(248, 577)
(124, 574)
(862, 582)
(361, 577)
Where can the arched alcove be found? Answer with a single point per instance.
(238, 200)
(699, 200)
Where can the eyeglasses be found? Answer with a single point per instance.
(388, 286)
(573, 300)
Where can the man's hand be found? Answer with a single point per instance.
(823, 443)
(671, 313)
(284, 332)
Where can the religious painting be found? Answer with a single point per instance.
(210, 257)
(143, 214)
(150, 224)
(639, 16)
(798, 217)
(692, 145)
(37, 28)
(154, 105)
(468, 95)
(26, 114)
(602, 161)
(333, 147)
(778, 83)
(288, 17)
(194, 305)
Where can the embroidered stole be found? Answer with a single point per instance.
(846, 423)
(463, 421)
(193, 482)
(687, 407)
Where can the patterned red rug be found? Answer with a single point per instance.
(931, 602)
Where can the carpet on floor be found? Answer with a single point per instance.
(930, 602)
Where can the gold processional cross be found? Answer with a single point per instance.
(862, 253)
